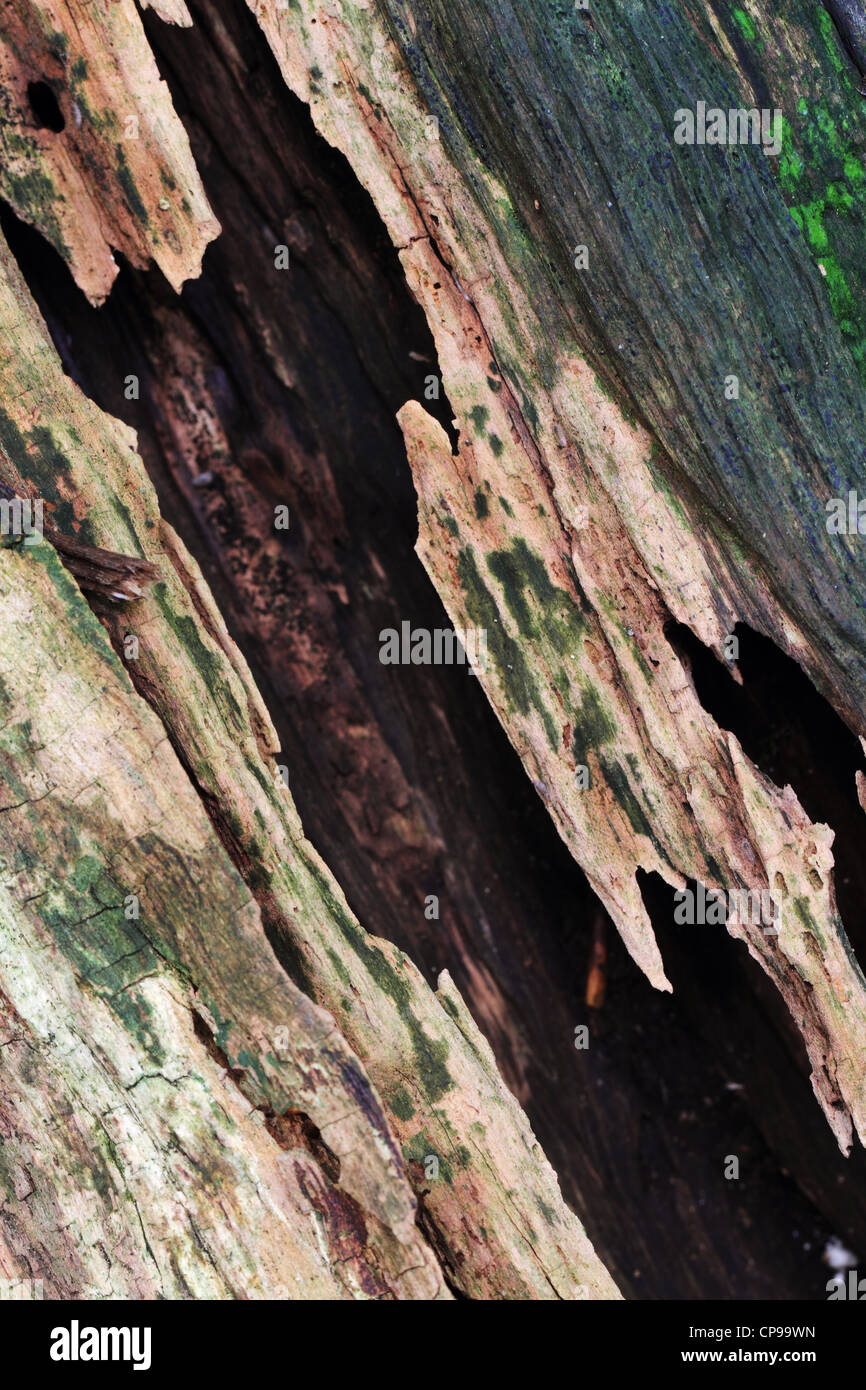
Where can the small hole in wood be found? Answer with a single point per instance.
(44, 105)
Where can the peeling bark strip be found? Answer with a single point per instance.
(588, 541)
(91, 150)
(105, 575)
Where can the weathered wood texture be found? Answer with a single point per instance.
(711, 511)
(182, 807)
(677, 507)
(400, 806)
(122, 177)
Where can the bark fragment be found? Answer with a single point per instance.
(115, 173)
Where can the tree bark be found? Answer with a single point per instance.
(259, 1093)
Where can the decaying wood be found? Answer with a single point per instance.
(443, 1097)
(403, 807)
(556, 521)
(121, 177)
(251, 1088)
(103, 574)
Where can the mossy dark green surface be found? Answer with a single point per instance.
(704, 261)
(516, 675)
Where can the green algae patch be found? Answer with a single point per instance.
(206, 662)
(617, 779)
(78, 616)
(823, 183)
(34, 197)
(553, 613)
(547, 1211)
(419, 1149)
(803, 911)
(592, 728)
(745, 24)
(130, 191)
(339, 967)
(519, 685)
(400, 1104)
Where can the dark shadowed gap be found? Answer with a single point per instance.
(796, 738)
(635, 1124)
(728, 999)
(45, 107)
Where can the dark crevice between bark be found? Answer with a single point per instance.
(726, 997)
(797, 739)
(292, 1129)
(403, 777)
(431, 1234)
